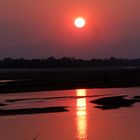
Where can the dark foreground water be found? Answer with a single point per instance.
(72, 115)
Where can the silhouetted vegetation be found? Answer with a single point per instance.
(66, 62)
(21, 75)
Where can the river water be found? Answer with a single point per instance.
(82, 121)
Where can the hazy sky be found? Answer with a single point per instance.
(42, 28)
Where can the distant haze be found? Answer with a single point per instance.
(39, 29)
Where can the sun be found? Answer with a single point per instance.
(79, 22)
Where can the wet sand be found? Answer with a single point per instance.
(28, 111)
(115, 102)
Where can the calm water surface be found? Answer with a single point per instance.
(82, 122)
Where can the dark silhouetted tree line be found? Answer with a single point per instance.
(67, 62)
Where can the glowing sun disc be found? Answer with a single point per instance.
(79, 22)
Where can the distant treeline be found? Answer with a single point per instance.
(67, 62)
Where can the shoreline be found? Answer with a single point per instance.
(41, 80)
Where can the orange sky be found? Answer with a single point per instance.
(29, 22)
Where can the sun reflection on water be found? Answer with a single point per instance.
(81, 115)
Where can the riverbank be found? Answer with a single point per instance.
(31, 80)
